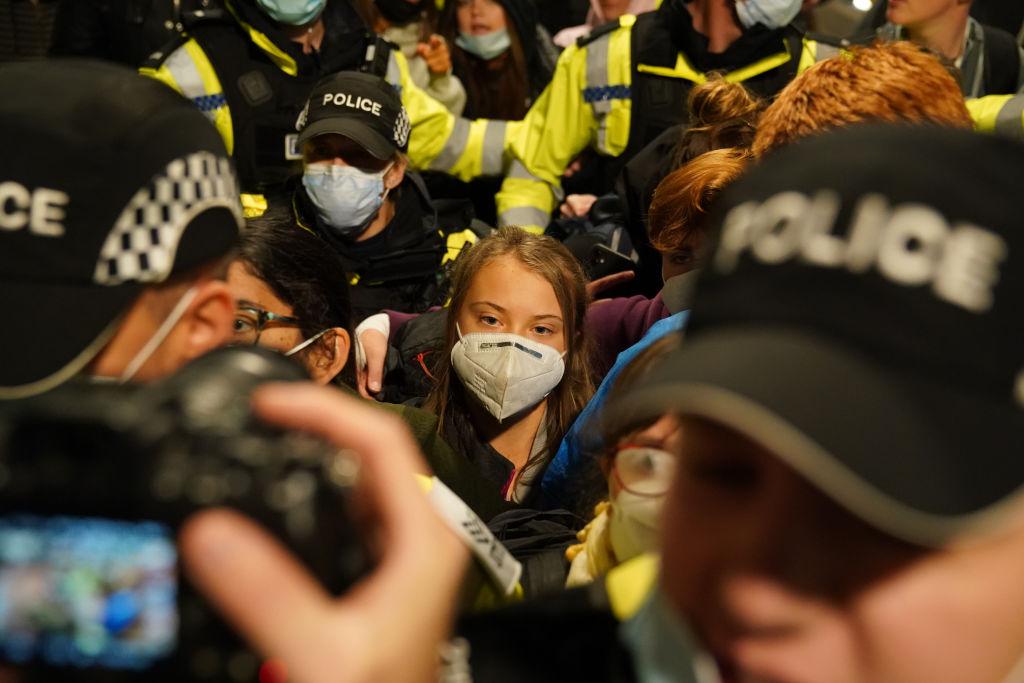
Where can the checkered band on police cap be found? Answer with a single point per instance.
(402, 128)
(145, 238)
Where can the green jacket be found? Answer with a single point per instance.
(456, 472)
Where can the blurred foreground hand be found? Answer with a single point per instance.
(390, 625)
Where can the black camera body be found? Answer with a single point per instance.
(95, 482)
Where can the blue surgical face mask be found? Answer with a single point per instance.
(486, 46)
(346, 198)
(768, 13)
(293, 12)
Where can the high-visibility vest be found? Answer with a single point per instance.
(252, 89)
(613, 92)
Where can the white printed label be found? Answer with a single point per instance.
(499, 564)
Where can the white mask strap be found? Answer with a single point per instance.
(159, 336)
(383, 174)
(307, 342)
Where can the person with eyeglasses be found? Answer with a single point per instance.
(291, 297)
(632, 475)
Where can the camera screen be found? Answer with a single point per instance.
(87, 592)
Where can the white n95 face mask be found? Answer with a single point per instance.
(768, 13)
(633, 524)
(505, 372)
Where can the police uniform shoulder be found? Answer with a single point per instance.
(156, 60)
(599, 32)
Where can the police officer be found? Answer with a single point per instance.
(357, 193)
(251, 68)
(111, 260)
(617, 89)
(795, 546)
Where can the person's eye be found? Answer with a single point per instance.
(242, 325)
(682, 258)
(543, 330)
(489, 320)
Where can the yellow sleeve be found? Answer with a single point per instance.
(559, 126)
(587, 104)
(1003, 114)
(440, 141)
(188, 70)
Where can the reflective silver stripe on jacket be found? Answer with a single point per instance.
(825, 51)
(1010, 119)
(493, 158)
(186, 73)
(394, 74)
(597, 78)
(524, 215)
(453, 147)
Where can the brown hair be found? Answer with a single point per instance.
(495, 89)
(892, 82)
(682, 199)
(722, 114)
(549, 259)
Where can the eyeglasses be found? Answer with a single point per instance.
(644, 470)
(250, 321)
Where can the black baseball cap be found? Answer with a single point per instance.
(362, 107)
(860, 317)
(109, 182)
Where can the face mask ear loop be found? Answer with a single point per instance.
(159, 336)
(387, 189)
(306, 343)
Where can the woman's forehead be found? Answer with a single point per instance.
(509, 283)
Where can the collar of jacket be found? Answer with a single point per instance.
(753, 46)
(339, 20)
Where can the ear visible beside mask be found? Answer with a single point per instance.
(506, 373)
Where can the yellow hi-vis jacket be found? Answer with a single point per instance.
(1002, 114)
(438, 141)
(588, 104)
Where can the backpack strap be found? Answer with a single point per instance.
(1002, 62)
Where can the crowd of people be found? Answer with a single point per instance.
(705, 320)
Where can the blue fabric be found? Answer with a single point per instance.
(582, 440)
